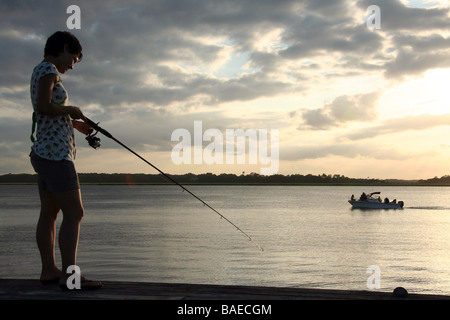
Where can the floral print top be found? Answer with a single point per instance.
(55, 139)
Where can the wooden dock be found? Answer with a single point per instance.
(21, 289)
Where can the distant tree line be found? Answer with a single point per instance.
(210, 178)
(444, 180)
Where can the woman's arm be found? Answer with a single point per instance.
(84, 128)
(44, 98)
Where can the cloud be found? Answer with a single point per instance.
(375, 150)
(417, 54)
(398, 17)
(413, 40)
(152, 66)
(175, 43)
(418, 122)
(343, 109)
(346, 150)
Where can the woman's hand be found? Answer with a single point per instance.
(83, 127)
(75, 113)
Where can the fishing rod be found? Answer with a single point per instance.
(95, 143)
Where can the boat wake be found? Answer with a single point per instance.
(428, 208)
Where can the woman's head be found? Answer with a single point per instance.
(64, 48)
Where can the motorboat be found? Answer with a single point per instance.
(371, 201)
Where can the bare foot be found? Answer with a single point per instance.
(51, 276)
(85, 284)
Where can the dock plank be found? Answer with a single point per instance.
(26, 289)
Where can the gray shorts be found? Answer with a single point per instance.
(55, 176)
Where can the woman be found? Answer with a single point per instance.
(52, 156)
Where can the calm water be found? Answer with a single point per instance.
(311, 236)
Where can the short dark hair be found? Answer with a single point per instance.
(56, 42)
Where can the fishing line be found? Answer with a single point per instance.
(95, 143)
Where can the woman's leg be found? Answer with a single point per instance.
(73, 211)
(45, 236)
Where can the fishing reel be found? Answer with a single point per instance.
(93, 141)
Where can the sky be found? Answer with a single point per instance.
(344, 98)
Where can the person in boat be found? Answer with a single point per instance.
(363, 197)
(386, 200)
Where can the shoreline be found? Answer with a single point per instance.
(241, 184)
(252, 179)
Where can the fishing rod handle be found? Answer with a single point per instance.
(98, 128)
